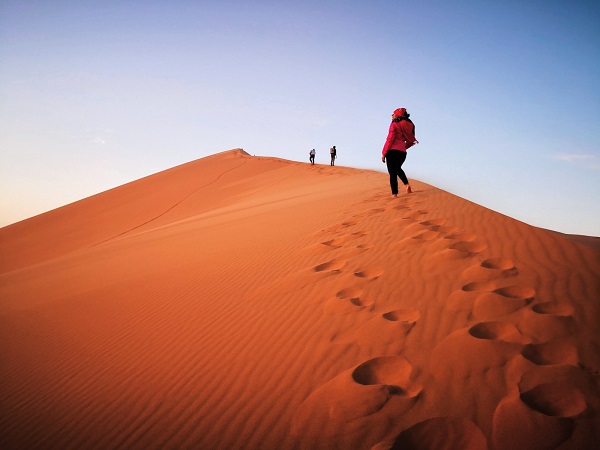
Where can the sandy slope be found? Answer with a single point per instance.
(248, 302)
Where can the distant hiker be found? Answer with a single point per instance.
(401, 137)
(312, 156)
(333, 153)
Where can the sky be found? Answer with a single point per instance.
(505, 95)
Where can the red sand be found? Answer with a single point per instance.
(249, 302)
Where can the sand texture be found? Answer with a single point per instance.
(250, 302)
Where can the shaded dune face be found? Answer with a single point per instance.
(250, 302)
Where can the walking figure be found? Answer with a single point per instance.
(401, 137)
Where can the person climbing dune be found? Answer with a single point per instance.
(401, 136)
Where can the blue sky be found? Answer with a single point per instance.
(504, 95)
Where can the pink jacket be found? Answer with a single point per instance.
(400, 137)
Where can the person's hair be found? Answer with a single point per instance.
(404, 117)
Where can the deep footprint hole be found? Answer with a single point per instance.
(384, 370)
(434, 222)
(555, 399)
(551, 308)
(329, 265)
(517, 292)
(492, 330)
(466, 237)
(478, 287)
(498, 263)
(351, 293)
(549, 353)
(402, 315)
(370, 274)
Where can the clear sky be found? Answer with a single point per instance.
(505, 95)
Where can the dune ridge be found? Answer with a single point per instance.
(254, 302)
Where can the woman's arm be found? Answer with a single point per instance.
(390, 138)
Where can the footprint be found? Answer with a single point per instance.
(465, 237)
(502, 301)
(550, 321)
(350, 293)
(417, 239)
(461, 250)
(551, 353)
(449, 229)
(410, 201)
(392, 371)
(434, 224)
(331, 266)
(333, 243)
(344, 307)
(491, 302)
(353, 398)
(449, 433)
(408, 315)
(426, 236)
(552, 308)
(519, 292)
(412, 229)
(347, 301)
(516, 292)
(383, 334)
(468, 247)
(328, 230)
(338, 227)
(490, 269)
(497, 331)
(498, 264)
(343, 240)
(370, 274)
(557, 399)
(478, 287)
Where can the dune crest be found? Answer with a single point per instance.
(254, 302)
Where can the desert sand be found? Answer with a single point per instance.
(251, 302)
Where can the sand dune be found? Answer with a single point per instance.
(250, 302)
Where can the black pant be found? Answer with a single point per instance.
(394, 160)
